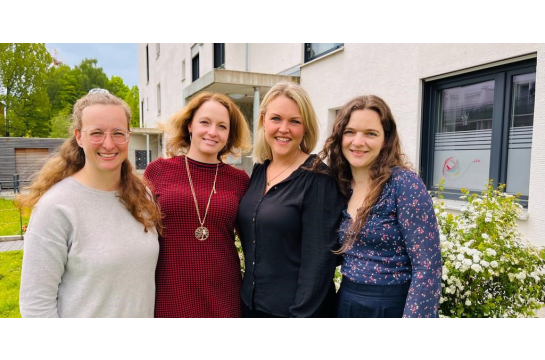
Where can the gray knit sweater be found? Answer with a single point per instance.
(86, 256)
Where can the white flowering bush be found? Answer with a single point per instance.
(238, 245)
(489, 270)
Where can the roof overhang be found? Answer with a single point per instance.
(236, 82)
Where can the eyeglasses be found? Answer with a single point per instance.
(97, 136)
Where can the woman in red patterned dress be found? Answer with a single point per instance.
(198, 272)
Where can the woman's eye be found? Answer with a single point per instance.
(275, 118)
(348, 132)
(296, 121)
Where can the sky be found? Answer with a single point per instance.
(119, 59)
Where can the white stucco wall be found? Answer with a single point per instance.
(395, 72)
(274, 58)
(167, 71)
(263, 58)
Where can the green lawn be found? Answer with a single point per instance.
(10, 278)
(9, 218)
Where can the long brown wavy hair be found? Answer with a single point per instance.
(70, 158)
(177, 127)
(380, 171)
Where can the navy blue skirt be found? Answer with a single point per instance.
(371, 301)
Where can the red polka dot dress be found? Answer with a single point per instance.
(197, 278)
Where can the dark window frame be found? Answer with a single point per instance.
(309, 56)
(147, 64)
(219, 55)
(142, 113)
(195, 67)
(141, 162)
(502, 75)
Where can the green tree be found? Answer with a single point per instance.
(23, 71)
(60, 124)
(132, 100)
(116, 86)
(31, 115)
(89, 76)
(62, 88)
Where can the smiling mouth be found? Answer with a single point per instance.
(107, 156)
(358, 152)
(209, 141)
(282, 139)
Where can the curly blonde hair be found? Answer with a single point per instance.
(177, 127)
(70, 158)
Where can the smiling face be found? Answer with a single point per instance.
(363, 138)
(283, 124)
(108, 155)
(210, 131)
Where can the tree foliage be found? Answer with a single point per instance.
(132, 100)
(23, 72)
(89, 76)
(38, 97)
(60, 124)
(116, 86)
(62, 88)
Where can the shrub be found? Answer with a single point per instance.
(489, 270)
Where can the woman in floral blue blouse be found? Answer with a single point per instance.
(388, 234)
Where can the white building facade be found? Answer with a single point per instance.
(465, 112)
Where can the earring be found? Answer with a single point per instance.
(189, 137)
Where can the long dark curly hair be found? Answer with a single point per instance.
(390, 156)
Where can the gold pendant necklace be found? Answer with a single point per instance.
(296, 157)
(202, 232)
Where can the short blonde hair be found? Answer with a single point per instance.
(177, 127)
(295, 92)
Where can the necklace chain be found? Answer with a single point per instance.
(202, 232)
(280, 173)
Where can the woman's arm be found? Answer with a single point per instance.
(418, 225)
(320, 219)
(44, 259)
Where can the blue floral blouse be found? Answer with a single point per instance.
(399, 244)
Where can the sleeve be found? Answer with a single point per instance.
(152, 174)
(320, 219)
(244, 185)
(420, 232)
(44, 258)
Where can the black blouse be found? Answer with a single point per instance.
(288, 236)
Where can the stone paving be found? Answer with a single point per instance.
(11, 245)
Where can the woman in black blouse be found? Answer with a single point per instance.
(289, 216)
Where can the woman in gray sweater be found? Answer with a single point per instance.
(91, 246)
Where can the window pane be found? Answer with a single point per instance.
(520, 133)
(195, 68)
(463, 136)
(314, 50)
(141, 159)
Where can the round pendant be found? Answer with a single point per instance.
(202, 233)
